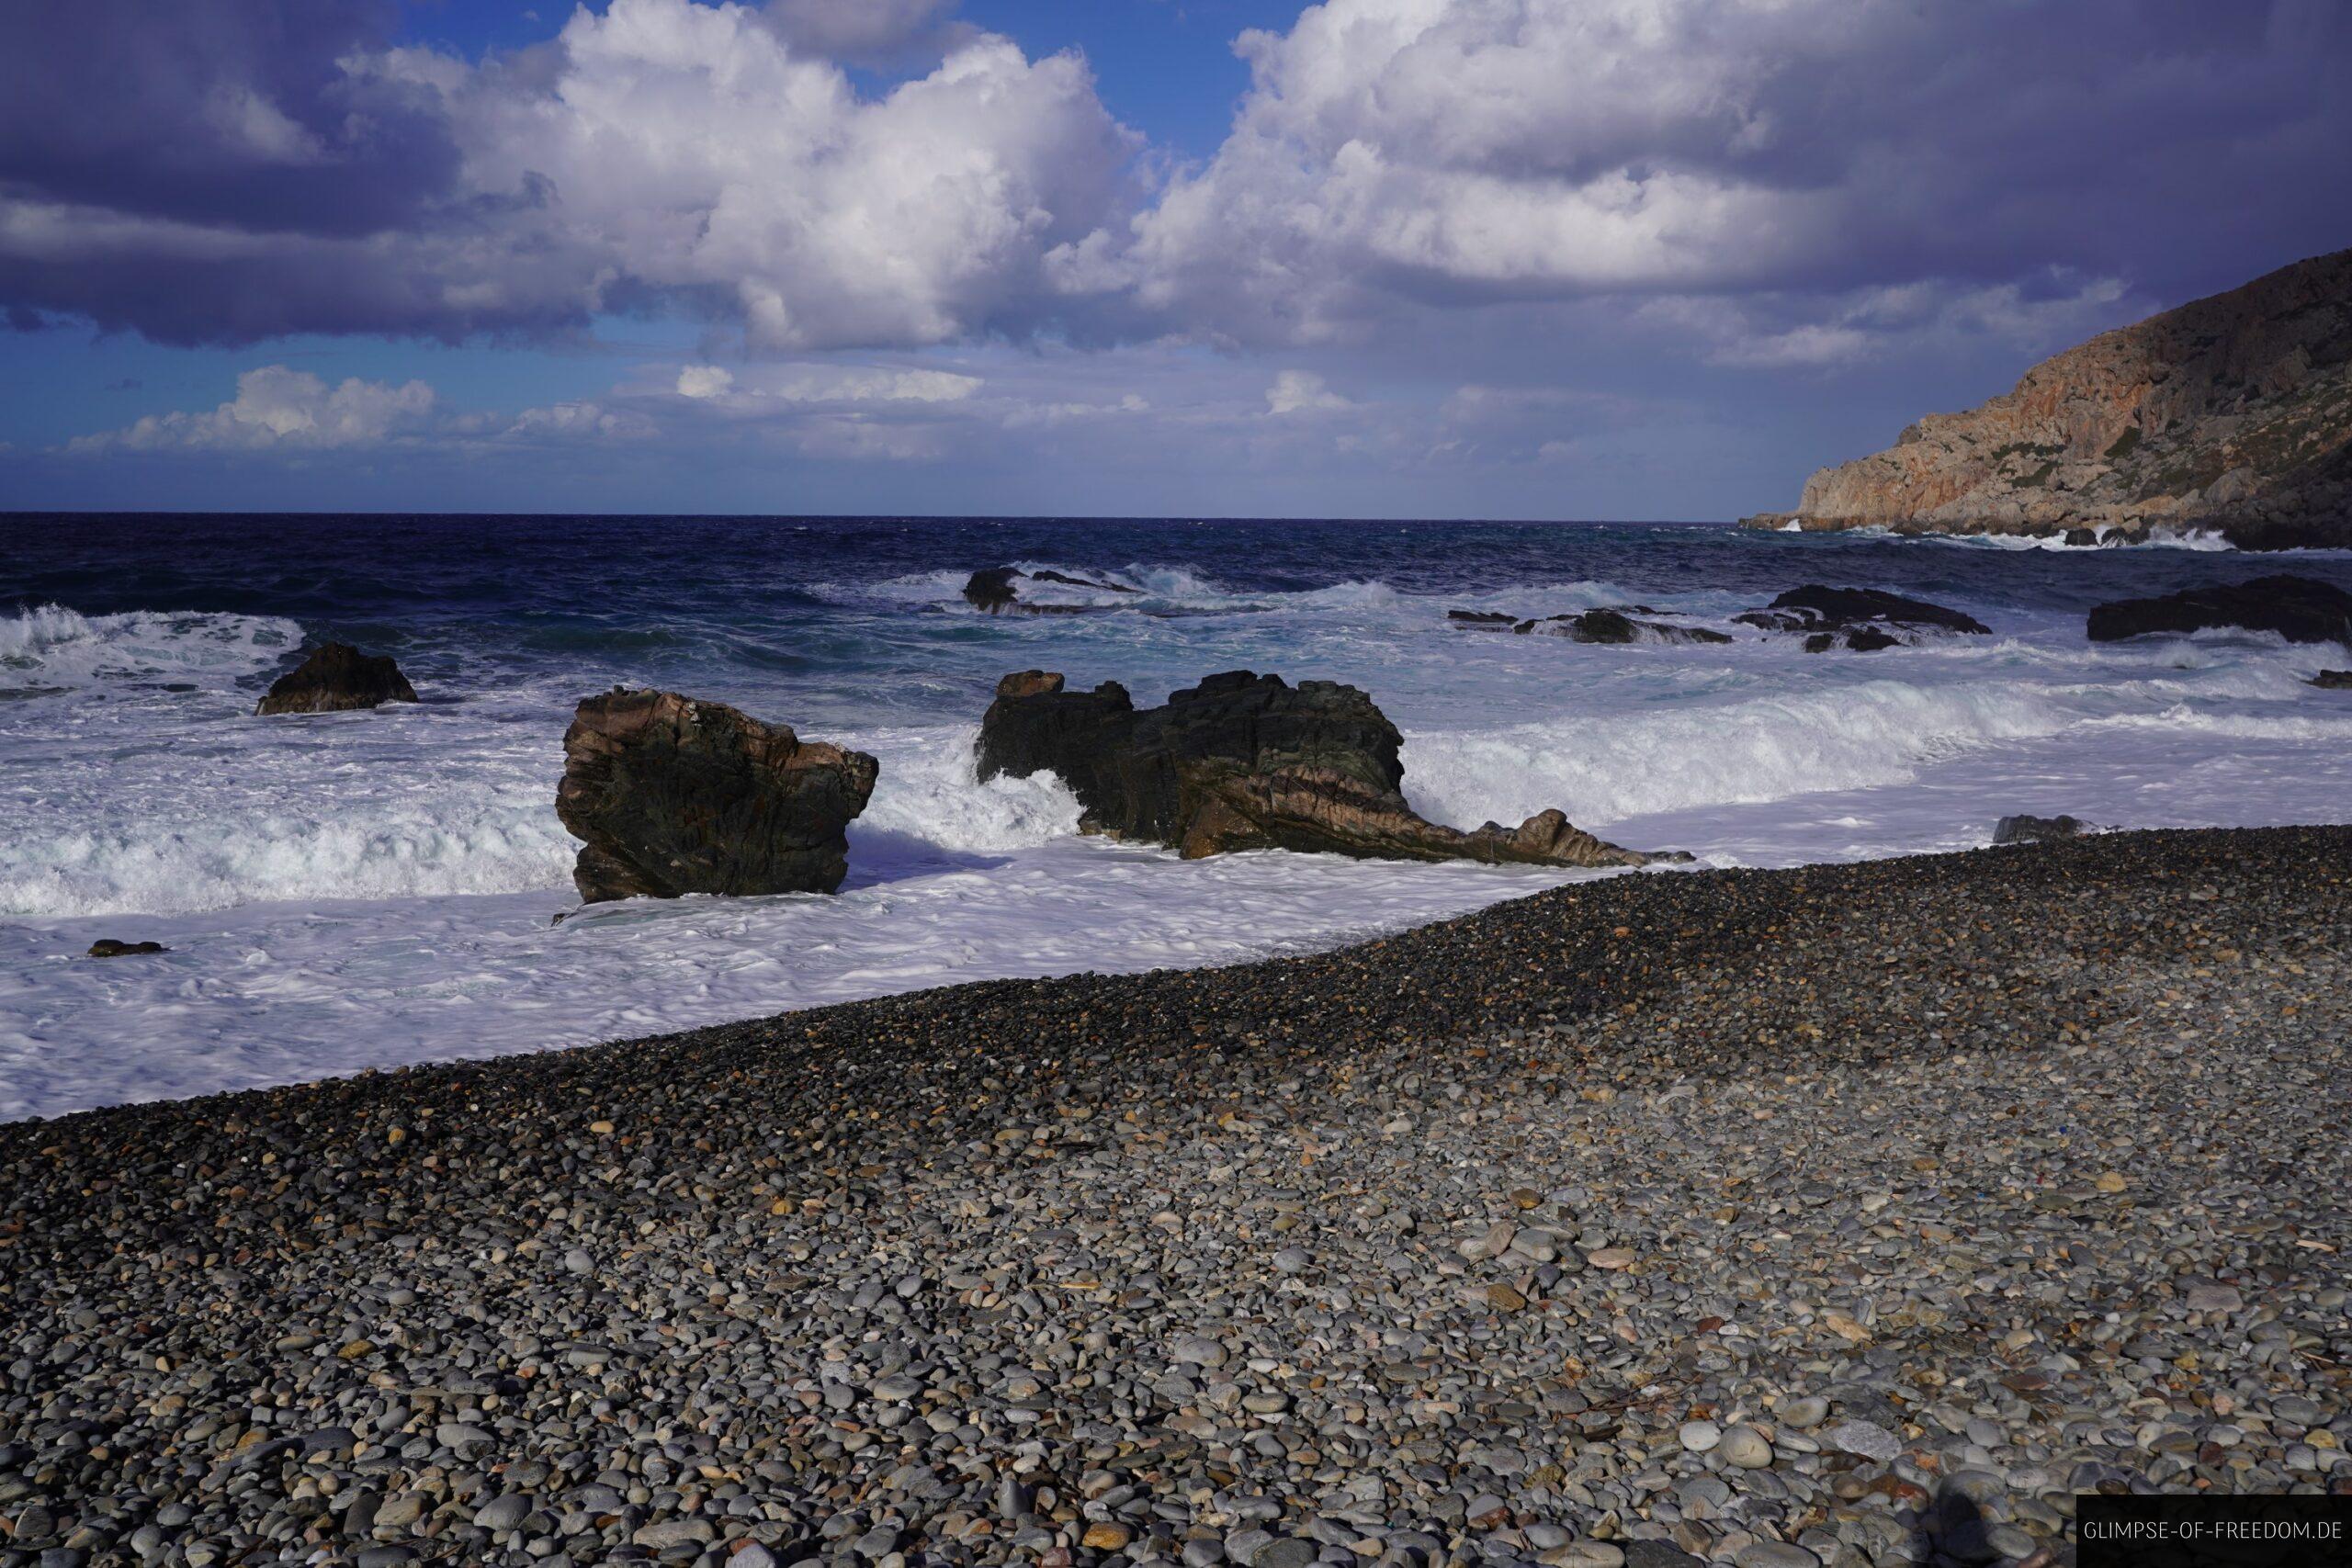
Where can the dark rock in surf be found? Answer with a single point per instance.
(335, 678)
(2301, 609)
(991, 592)
(1862, 619)
(2024, 830)
(1485, 619)
(1246, 761)
(1066, 580)
(1607, 625)
(2332, 680)
(672, 795)
(108, 947)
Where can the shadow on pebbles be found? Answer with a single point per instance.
(1848, 1215)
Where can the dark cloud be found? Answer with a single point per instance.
(229, 112)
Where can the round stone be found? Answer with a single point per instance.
(1809, 1411)
(1745, 1447)
(1698, 1437)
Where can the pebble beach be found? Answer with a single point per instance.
(1838, 1215)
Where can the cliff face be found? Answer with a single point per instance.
(2231, 413)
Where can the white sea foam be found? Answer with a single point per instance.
(354, 890)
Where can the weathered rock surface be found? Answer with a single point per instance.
(674, 795)
(113, 947)
(2301, 609)
(1862, 619)
(2024, 830)
(2231, 413)
(993, 591)
(335, 678)
(1242, 762)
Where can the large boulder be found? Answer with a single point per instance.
(674, 795)
(336, 677)
(2301, 609)
(1246, 761)
(1862, 619)
(2023, 828)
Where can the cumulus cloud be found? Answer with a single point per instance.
(1396, 154)
(657, 152)
(278, 408)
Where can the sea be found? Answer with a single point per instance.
(356, 891)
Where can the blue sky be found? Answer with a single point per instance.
(1511, 258)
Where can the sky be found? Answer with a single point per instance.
(1601, 259)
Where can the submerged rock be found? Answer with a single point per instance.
(674, 795)
(1864, 619)
(1242, 762)
(2301, 609)
(335, 678)
(2332, 679)
(109, 947)
(1609, 625)
(2024, 830)
(1487, 619)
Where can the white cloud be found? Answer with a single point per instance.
(862, 30)
(705, 381)
(692, 148)
(277, 407)
(1301, 392)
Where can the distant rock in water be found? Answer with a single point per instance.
(1245, 762)
(2333, 681)
(1607, 625)
(108, 947)
(991, 590)
(672, 795)
(1484, 619)
(337, 677)
(1864, 619)
(2231, 414)
(2023, 830)
(2301, 609)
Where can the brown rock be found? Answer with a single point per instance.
(109, 947)
(1247, 762)
(674, 795)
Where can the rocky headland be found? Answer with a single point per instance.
(1852, 1215)
(2231, 414)
(1248, 762)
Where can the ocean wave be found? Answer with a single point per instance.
(53, 645)
(145, 866)
(1606, 768)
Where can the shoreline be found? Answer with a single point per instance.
(1509, 1237)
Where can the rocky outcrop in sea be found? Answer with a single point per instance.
(335, 678)
(674, 795)
(2231, 414)
(1248, 762)
(2299, 609)
(1862, 619)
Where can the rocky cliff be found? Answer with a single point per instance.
(2231, 413)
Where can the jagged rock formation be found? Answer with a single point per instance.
(335, 678)
(2231, 413)
(674, 795)
(2299, 609)
(1245, 762)
(1864, 619)
(991, 592)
